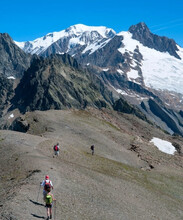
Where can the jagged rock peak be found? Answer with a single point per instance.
(142, 33)
(6, 39)
(6, 35)
(140, 27)
(66, 59)
(13, 60)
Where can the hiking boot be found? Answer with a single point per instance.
(50, 216)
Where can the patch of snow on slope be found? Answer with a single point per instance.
(129, 94)
(11, 116)
(11, 77)
(160, 70)
(133, 74)
(20, 44)
(180, 52)
(119, 71)
(133, 64)
(121, 92)
(164, 146)
(75, 41)
(95, 46)
(60, 53)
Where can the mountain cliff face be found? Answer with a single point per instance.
(59, 82)
(142, 33)
(13, 61)
(168, 119)
(6, 92)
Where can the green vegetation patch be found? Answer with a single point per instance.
(163, 185)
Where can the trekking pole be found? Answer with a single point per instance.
(55, 206)
(38, 193)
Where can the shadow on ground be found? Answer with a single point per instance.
(37, 216)
(36, 203)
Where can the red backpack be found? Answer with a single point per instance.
(47, 186)
(56, 148)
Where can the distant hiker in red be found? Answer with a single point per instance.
(47, 186)
(49, 203)
(56, 149)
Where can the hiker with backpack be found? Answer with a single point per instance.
(49, 203)
(47, 186)
(56, 149)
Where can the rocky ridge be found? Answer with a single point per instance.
(142, 33)
(59, 82)
(6, 92)
(13, 61)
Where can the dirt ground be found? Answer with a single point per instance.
(118, 182)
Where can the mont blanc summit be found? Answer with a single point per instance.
(67, 40)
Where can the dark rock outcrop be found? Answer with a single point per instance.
(6, 92)
(13, 60)
(142, 33)
(59, 82)
(20, 124)
(106, 56)
(165, 115)
(167, 119)
(122, 105)
(181, 113)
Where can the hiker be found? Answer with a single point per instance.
(56, 149)
(49, 203)
(47, 186)
(92, 149)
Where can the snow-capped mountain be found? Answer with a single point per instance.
(87, 37)
(161, 70)
(137, 54)
(145, 68)
(140, 57)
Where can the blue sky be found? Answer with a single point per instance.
(28, 20)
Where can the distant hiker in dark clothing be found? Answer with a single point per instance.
(47, 186)
(49, 203)
(92, 149)
(56, 149)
